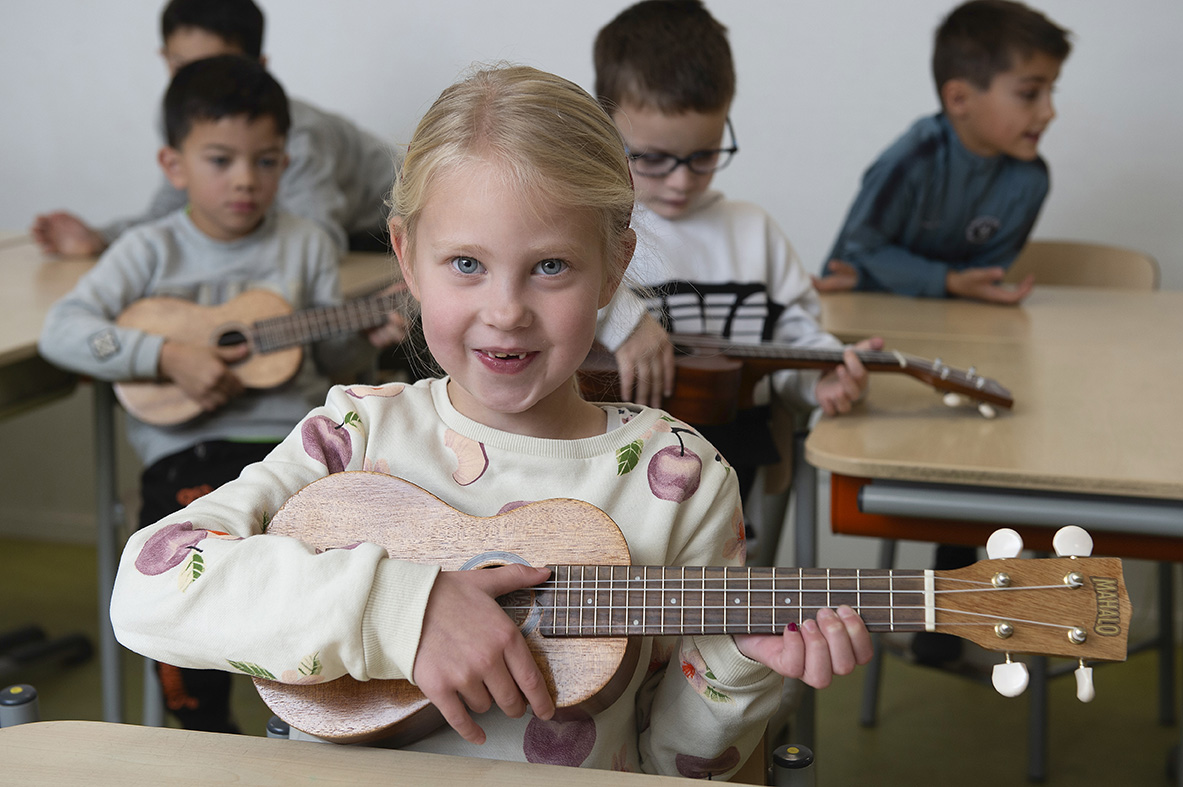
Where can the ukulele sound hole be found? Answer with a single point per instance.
(231, 339)
(520, 605)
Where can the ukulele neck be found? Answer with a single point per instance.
(317, 324)
(615, 601)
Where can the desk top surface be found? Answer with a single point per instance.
(97, 753)
(34, 281)
(1096, 399)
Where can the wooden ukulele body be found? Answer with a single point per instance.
(588, 673)
(184, 321)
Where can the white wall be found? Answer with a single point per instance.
(823, 87)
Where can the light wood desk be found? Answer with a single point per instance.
(70, 753)
(1096, 415)
(32, 283)
(1095, 437)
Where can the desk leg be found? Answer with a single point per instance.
(805, 556)
(108, 547)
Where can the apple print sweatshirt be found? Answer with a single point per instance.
(726, 269)
(287, 255)
(207, 588)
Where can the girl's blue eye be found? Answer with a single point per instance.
(551, 267)
(269, 163)
(466, 265)
(219, 161)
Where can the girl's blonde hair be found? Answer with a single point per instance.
(548, 136)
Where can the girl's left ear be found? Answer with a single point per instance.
(398, 242)
(615, 272)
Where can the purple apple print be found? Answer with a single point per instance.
(560, 742)
(168, 547)
(674, 471)
(327, 442)
(702, 768)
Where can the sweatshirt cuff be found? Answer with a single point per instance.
(728, 665)
(393, 620)
(145, 361)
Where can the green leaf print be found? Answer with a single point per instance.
(191, 570)
(352, 418)
(266, 522)
(254, 670)
(310, 664)
(715, 695)
(627, 457)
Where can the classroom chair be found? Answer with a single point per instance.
(1085, 265)
(1052, 262)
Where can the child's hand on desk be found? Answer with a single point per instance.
(838, 390)
(202, 372)
(646, 360)
(985, 284)
(840, 277)
(832, 645)
(472, 655)
(65, 233)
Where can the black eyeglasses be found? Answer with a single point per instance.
(702, 162)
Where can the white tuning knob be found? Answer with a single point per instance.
(1004, 543)
(1010, 678)
(953, 400)
(987, 410)
(1084, 683)
(1072, 541)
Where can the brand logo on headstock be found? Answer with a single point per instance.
(1108, 607)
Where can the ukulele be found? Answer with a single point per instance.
(582, 624)
(716, 377)
(261, 319)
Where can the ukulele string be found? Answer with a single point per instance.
(660, 609)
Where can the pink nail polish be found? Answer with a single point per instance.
(791, 626)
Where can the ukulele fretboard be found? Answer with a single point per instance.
(317, 324)
(613, 601)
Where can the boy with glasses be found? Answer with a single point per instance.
(708, 265)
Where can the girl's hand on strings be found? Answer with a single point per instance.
(472, 655)
(833, 644)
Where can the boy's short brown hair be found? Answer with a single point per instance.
(671, 55)
(980, 39)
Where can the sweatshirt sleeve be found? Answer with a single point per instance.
(80, 333)
(208, 588)
(879, 215)
(705, 711)
(799, 323)
(617, 321)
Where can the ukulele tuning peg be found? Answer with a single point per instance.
(1085, 692)
(987, 410)
(1004, 543)
(1072, 541)
(1010, 678)
(953, 400)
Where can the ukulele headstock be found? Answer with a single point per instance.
(1074, 606)
(958, 383)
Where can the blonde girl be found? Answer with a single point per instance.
(511, 227)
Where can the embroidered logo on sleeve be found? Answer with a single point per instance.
(104, 344)
(982, 229)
